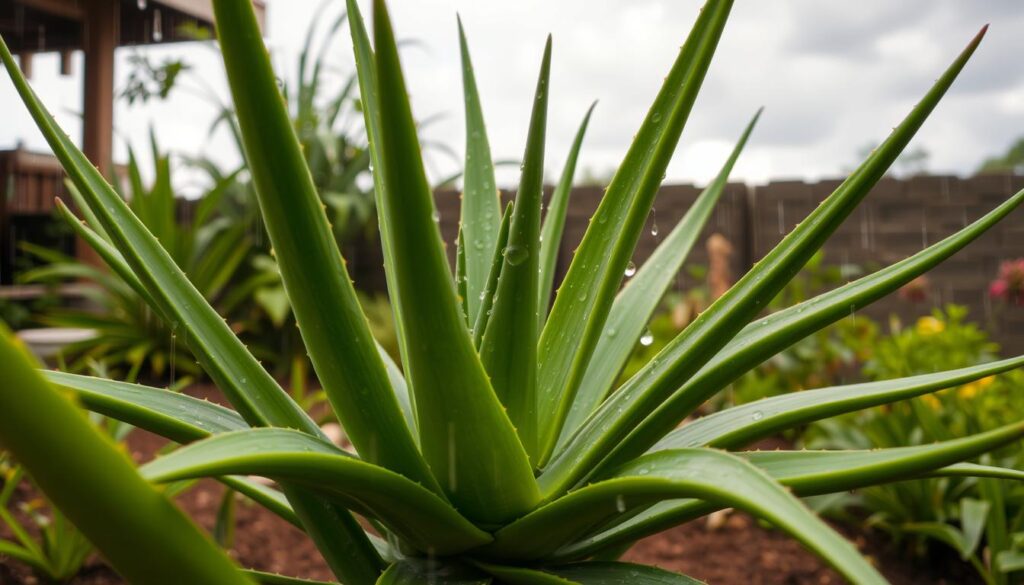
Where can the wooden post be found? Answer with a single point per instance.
(101, 29)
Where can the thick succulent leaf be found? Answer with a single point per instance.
(366, 73)
(512, 575)
(481, 208)
(265, 578)
(817, 473)
(420, 572)
(614, 573)
(223, 355)
(466, 437)
(741, 425)
(413, 512)
(460, 273)
(712, 476)
(554, 221)
(509, 347)
(335, 331)
(142, 534)
(581, 306)
(268, 497)
(492, 280)
(759, 340)
(821, 472)
(177, 416)
(640, 297)
(603, 438)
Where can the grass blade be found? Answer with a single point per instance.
(606, 431)
(509, 347)
(465, 435)
(578, 315)
(481, 207)
(142, 534)
(554, 221)
(640, 297)
(418, 515)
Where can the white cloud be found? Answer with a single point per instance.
(832, 76)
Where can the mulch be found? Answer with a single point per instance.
(730, 549)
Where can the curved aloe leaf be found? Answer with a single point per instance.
(585, 297)
(712, 476)
(640, 297)
(142, 534)
(509, 347)
(819, 472)
(603, 438)
(481, 209)
(176, 416)
(554, 221)
(512, 575)
(367, 76)
(265, 578)
(614, 573)
(758, 341)
(741, 425)
(492, 280)
(418, 515)
(334, 329)
(465, 435)
(418, 572)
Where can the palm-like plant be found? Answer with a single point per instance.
(501, 455)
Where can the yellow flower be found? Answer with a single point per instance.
(932, 401)
(930, 326)
(971, 390)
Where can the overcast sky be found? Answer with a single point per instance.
(833, 76)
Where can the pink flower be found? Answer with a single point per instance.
(1009, 284)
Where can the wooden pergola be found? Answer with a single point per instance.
(98, 28)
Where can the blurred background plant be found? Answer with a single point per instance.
(981, 519)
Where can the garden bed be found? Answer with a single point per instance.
(705, 549)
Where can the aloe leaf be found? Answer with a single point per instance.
(821, 472)
(481, 208)
(176, 416)
(465, 435)
(512, 575)
(817, 473)
(492, 279)
(603, 438)
(249, 387)
(224, 357)
(741, 425)
(418, 572)
(640, 297)
(578, 315)
(334, 329)
(412, 511)
(615, 573)
(554, 220)
(264, 578)
(142, 534)
(713, 476)
(460, 273)
(509, 347)
(366, 74)
(760, 340)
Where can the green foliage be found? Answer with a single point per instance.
(469, 478)
(979, 518)
(1011, 161)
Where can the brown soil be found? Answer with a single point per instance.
(731, 549)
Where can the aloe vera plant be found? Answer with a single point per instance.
(501, 454)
